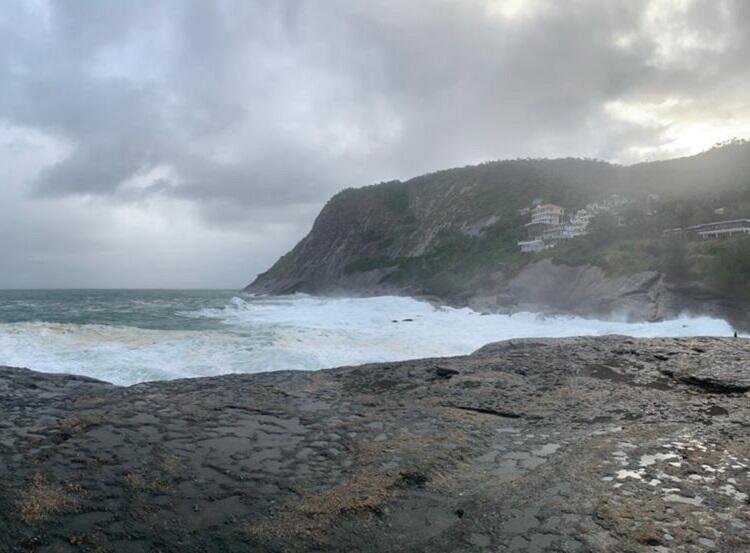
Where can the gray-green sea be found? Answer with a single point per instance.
(130, 336)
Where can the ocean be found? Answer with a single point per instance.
(131, 336)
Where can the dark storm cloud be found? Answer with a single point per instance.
(257, 111)
(404, 87)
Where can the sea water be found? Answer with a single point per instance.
(127, 337)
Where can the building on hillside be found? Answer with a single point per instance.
(545, 227)
(613, 205)
(578, 224)
(532, 246)
(546, 215)
(713, 231)
(548, 224)
(723, 229)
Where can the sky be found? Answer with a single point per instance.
(188, 144)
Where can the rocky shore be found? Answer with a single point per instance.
(608, 444)
(586, 291)
(545, 287)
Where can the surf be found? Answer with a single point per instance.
(144, 336)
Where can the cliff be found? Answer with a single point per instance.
(453, 235)
(575, 445)
(588, 291)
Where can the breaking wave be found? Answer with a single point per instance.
(255, 334)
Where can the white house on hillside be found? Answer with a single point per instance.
(578, 224)
(548, 226)
(546, 214)
(544, 228)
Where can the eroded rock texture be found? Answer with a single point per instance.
(573, 445)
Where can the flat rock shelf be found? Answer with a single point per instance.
(570, 445)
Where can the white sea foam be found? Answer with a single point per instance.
(297, 332)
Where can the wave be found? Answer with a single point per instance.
(254, 334)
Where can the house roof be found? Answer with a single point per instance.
(703, 226)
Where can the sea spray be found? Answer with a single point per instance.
(142, 336)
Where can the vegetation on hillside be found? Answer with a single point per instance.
(729, 268)
(445, 233)
(458, 262)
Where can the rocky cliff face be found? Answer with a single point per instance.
(350, 227)
(452, 235)
(586, 291)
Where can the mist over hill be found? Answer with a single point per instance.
(454, 235)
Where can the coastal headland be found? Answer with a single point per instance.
(646, 242)
(604, 444)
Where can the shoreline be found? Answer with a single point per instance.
(530, 322)
(524, 444)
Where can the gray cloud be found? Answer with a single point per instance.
(245, 116)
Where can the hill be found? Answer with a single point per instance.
(453, 234)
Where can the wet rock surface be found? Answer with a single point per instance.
(571, 445)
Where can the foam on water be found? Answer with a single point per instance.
(296, 332)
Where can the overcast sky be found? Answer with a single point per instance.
(162, 143)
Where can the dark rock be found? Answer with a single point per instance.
(578, 444)
(487, 411)
(715, 386)
(445, 373)
(413, 479)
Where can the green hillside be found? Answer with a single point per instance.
(447, 233)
